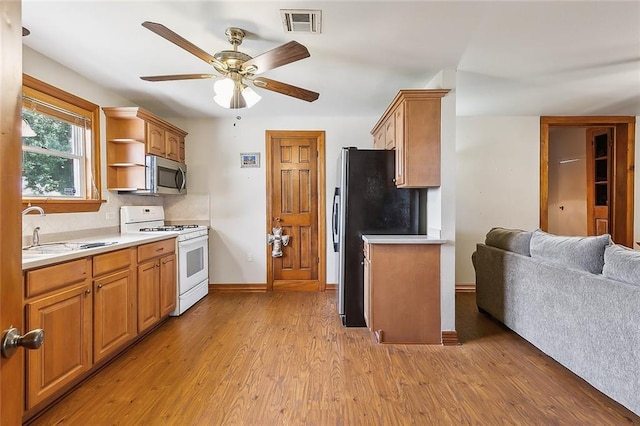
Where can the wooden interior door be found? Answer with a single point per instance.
(11, 313)
(599, 180)
(295, 178)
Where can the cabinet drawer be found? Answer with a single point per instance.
(42, 280)
(160, 248)
(113, 261)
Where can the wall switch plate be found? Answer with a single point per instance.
(249, 257)
(111, 215)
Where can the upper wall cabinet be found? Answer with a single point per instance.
(132, 133)
(411, 126)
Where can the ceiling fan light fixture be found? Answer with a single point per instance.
(224, 87)
(234, 94)
(250, 96)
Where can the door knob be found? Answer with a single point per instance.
(11, 339)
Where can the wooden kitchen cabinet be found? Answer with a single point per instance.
(367, 286)
(88, 311)
(168, 285)
(379, 141)
(114, 302)
(384, 137)
(411, 126)
(172, 143)
(402, 292)
(148, 295)
(156, 282)
(155, 140)
(64, 311)
(390, 132)
(132, 133)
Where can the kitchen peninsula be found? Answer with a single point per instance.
(402, 288)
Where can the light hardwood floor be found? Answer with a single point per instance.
(285, 359)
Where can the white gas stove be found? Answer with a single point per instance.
(192, 250)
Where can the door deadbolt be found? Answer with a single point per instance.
(11, 339)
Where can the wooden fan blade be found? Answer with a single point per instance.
(286, 89)
(274, 58)
(178, 77)
(179, 41)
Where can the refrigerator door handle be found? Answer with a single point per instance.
(334, 219)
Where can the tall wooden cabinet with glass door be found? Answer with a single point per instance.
(599, 184)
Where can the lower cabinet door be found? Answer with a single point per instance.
(65, 354)
(114, 304)
(148, 294)
(168, 291)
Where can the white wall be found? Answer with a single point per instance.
(498, 181)
(441, 201)
(238, 196)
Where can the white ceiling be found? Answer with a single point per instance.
(512, 58)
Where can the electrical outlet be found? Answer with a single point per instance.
(249, 257)
(111, 215)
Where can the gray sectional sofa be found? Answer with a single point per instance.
(577, 299)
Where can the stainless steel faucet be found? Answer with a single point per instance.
(35, 239)
(33, 208)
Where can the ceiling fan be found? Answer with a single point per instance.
(237, 69)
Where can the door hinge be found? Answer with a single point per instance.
(317, 260)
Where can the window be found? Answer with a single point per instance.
(61, 163)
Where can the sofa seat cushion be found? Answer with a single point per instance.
(622, 264)
(513, 240)
(582, 253)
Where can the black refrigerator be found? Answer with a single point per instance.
(366, 201)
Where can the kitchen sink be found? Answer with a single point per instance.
(61, 247)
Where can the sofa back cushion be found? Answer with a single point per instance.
(514, 240)
(622, 264)
(582, 253)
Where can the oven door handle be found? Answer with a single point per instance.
(193, 241)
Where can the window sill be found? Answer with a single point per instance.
(64, 206)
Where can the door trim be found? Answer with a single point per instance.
(624, 136)
(12, 370)
(321, 188)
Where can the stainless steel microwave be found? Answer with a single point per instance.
(163, 177)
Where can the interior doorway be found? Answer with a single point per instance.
(296, 206)
(601, 201)
(567, 181)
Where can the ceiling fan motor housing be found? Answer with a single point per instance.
(235, 35)
(232, 58)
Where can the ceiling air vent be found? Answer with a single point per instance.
(301, 21)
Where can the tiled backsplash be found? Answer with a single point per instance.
(54, 227)
(189, 207)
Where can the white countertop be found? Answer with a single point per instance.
(402, 239)
(36, 260)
